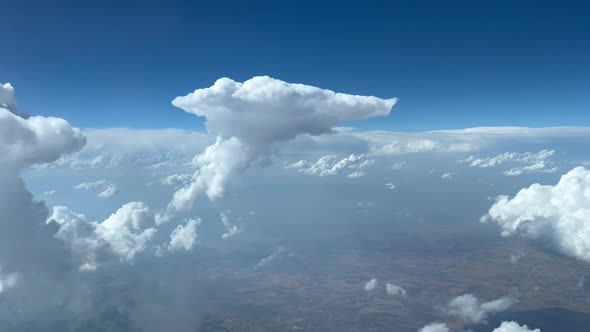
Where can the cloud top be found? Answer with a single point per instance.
(556, 214)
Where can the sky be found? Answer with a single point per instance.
(158, 161)
(452, 64)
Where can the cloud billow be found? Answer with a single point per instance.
(555, 214)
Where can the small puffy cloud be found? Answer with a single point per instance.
(398, 166)
(514, 327)
(7, 281)
(390, 186)
(49, 192)
(371, 284)
(468, 308)
(177, 180)
(231, 229)
(104, 188)
(110, 191)
(184, 236)
(249, 118)
(278, 253)
(531, 162)
(395, 290)
(332, 165)
(515, 257)
(435, 327)
(356, 174)
(447, 176)
(556, 215)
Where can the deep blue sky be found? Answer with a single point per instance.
(453, 64)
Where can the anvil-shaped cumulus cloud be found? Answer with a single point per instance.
(249, 118)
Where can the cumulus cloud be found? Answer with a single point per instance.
(34, 264)
(469, 309)
(279, 253)
(184, 236)
(49, 192)
(395, 290)
(177, 180)
(399, 165)
(514, 327)
(435, 327)
(532, 162)
(515, 257)
(331, 165)
(125, 233)
(7, 281)
(390, 186)
(556, 215)
(231, 229)
(371, 284)
(447, 176)
(249, 118)
(103, 188)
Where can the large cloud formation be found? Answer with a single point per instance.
(556, 215)
(34, 264)
(249, 118)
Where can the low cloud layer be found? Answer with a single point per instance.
(557, 214)
(332, 165)
(527, 162)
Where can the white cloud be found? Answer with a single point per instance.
(356, 174)
(556, 214)
(390, 185)
(231, 229)
(435, 327)
(127, 229)
(514, 327)
(398, 166)
(533, 162)
(468, 308)
(250, 118)
(279, 252)
(184, 236)
(7, 281)
(35, 264)
(371, 284)
(104, 188)
(177, 180)
(49, 192)
(110, 191)
(395, 290)
(447, 176)
(126, 233)
(332, 165)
